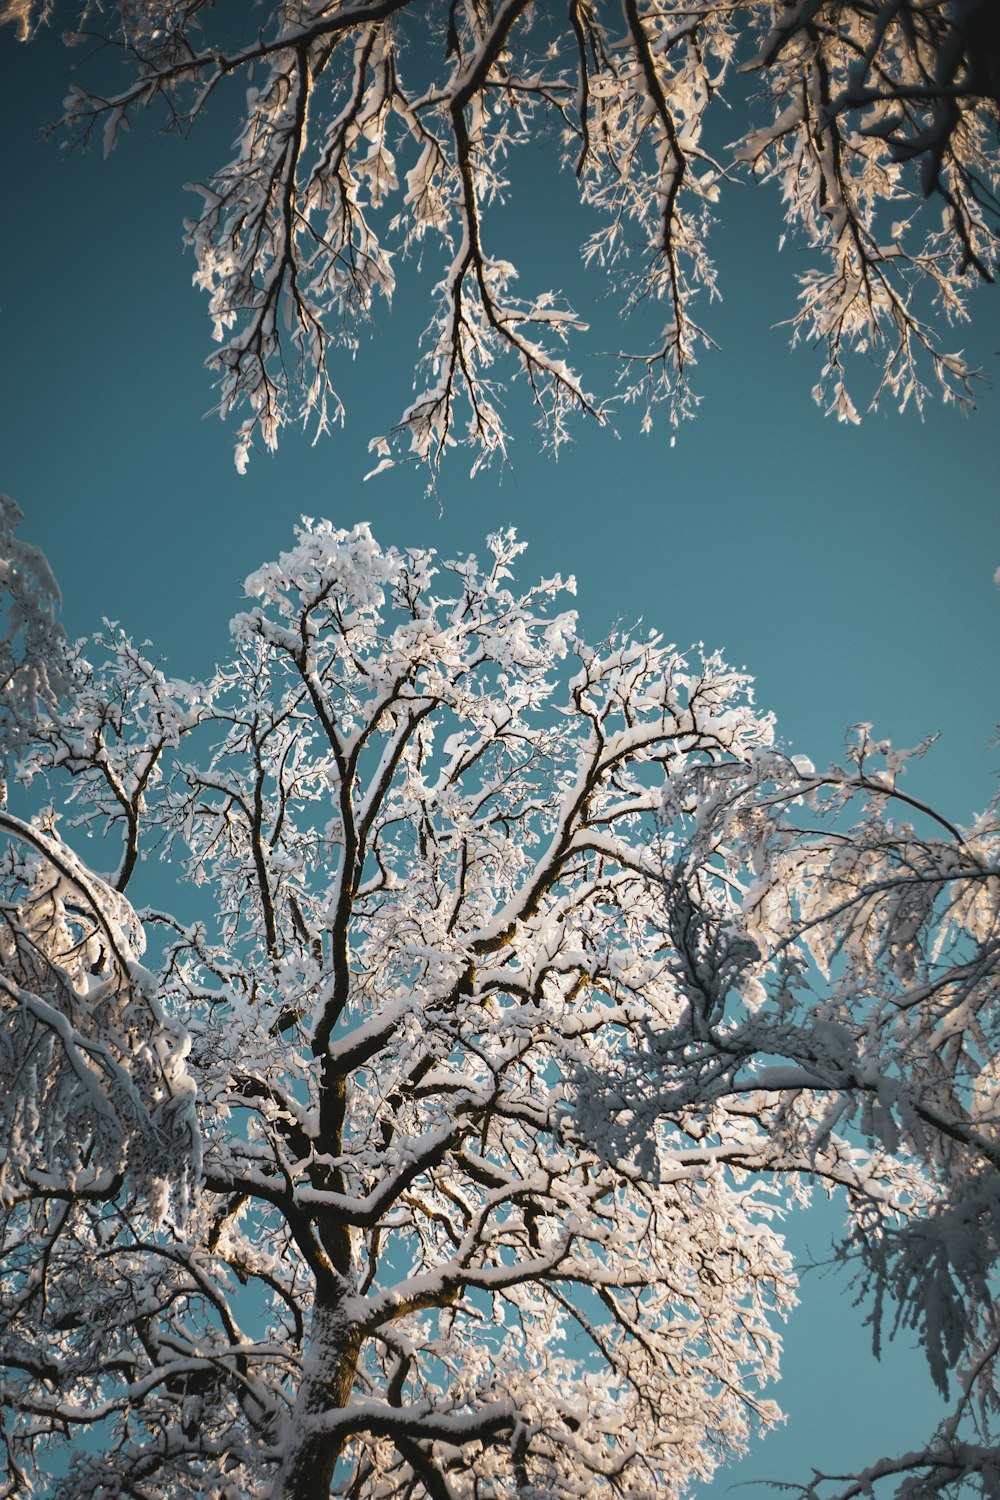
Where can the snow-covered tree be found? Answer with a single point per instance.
(858, 994)
(34, 661)
(305, 1207)
(372, 131)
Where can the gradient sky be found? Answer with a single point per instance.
(850, 569)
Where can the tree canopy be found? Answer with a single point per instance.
(414, 1035)
(367, 133)
(866, 969)
(444, 1150)
(427, 899)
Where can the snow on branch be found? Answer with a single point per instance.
(375, 132)
(851, 1006)
(95, 1090)
(35, 671)
(530, 987)
(417, 810)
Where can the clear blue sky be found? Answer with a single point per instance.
(850, 569)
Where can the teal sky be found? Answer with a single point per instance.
(849, 569)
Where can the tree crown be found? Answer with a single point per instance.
(375, 132)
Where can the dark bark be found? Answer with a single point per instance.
(329, 1368)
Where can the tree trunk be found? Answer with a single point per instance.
(327, 1379)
